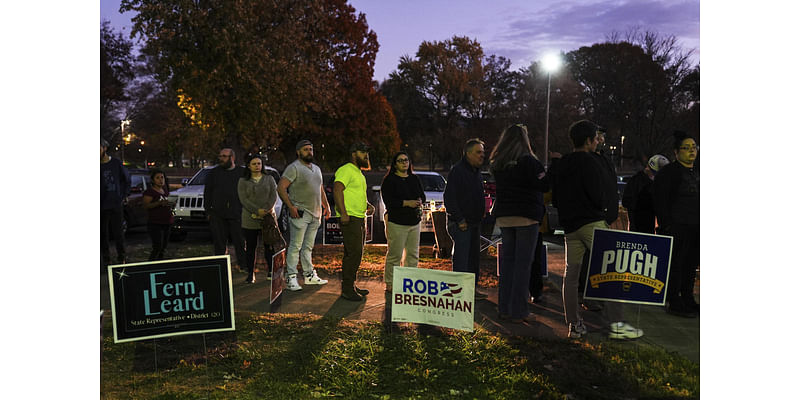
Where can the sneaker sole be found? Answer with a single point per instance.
(297, 289)
(316, 283)
(623, 336)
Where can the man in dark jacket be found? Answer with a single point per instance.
(221, 202)
(465, 204)
(638, 196)
(115, 185)
(581, 192)
(677, 199)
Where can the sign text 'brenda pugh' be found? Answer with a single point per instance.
(628, 267)
(433, 297)
(173, 297)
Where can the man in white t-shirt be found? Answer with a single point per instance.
(301, 190)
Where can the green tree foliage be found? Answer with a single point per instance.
(116, 71)
(264, 73)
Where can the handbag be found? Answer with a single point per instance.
(271, 234)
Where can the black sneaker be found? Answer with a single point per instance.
(360, 291)
(352, 296)
(680, 311)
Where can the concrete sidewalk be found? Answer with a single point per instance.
(673, 333)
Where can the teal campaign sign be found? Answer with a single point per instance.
(171, 297)
(628, 267)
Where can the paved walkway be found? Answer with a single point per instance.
(670, 332)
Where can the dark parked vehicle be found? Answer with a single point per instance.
(134, 214)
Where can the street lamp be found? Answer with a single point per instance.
(621, 149)
(550, 64)
(122, 124)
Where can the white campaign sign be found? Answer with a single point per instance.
(429, 296)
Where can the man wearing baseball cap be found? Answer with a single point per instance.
(638, 196)
(301, 190)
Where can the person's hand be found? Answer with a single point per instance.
(326, 212)
(262, 212)
(344, 219)
(293, 212)
(411, 203)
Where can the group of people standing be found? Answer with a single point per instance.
(239, 202)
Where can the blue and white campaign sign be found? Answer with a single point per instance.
(332, 233)
(171, 297)
(628, 267)
(434, 297)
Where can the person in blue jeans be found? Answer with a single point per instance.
(464, 201)
(518, 209)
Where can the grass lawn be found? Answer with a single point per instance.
(283, 356)
(290, 356)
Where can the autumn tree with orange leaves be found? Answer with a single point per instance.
(267, 73)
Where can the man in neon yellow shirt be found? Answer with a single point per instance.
(350, 197)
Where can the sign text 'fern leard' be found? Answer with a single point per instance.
(172, 297)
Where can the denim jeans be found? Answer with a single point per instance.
(159, 236)
(466, 248)
(519, 246)
(221, 230)
(302, 232)
(111, 228)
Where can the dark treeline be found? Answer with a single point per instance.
(260, 75)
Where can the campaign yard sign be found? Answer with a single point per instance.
(628, 267)
(278, 268)
(429, 296)
(171, 297)
(333, 231)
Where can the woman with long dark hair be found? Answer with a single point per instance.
(403, 197)
(518, 210)
(159, 213)
(257, 193)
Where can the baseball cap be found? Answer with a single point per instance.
(303, 143)
(656, 162)
(359, 146)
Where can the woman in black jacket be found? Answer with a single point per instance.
(403, 196)
(518, 210)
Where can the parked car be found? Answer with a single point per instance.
(134, 215)
(433, 185)
(190, 214)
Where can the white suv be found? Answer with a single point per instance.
(190, 215)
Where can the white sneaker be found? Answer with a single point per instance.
(621, 330)
(313, 279)
(291, 283)
(577, 330)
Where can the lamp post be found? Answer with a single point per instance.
(621, 149)
(122, 125)
(550, 64)
(430, 151)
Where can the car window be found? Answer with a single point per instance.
(200, 178)
(432, 183)
(139, 181)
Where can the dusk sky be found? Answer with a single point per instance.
(520, 30)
